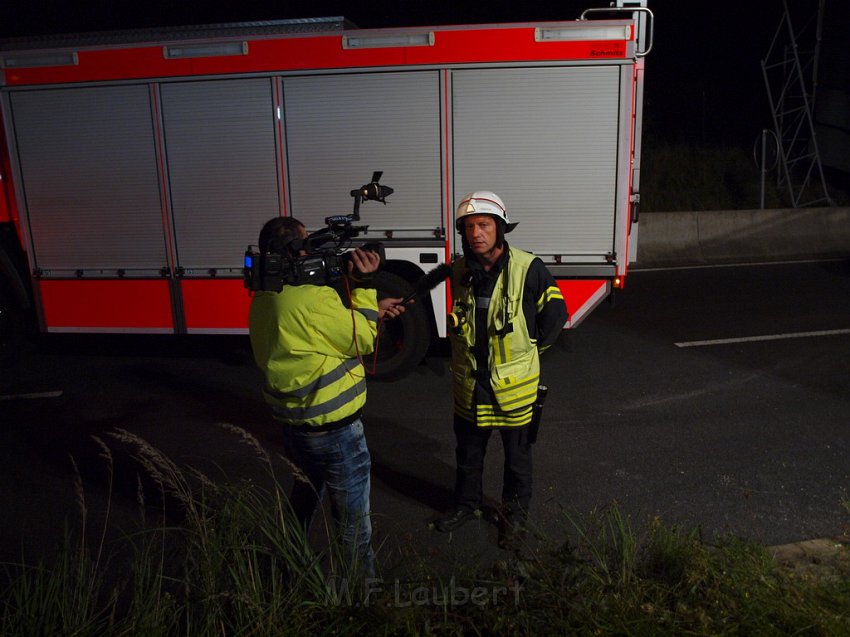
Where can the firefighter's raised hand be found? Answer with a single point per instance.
(390, 308)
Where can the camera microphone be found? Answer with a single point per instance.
(428, 282)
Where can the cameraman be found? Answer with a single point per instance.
(308, 345)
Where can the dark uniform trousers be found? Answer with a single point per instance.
(470, 451)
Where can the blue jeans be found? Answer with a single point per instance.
(337, 463)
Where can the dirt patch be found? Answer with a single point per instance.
(823, 557)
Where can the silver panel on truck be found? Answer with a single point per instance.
(544, 140)
(220, 149)
(339, 129)
(88, 166)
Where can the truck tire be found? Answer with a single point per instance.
(403, 341)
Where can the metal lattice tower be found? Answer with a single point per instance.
(790, 76)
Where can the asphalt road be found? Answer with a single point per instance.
(748, 437)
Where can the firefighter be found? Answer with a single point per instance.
(506, 310)
(308, 344)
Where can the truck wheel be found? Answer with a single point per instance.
(402, 341)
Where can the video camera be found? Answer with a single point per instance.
(320, 259)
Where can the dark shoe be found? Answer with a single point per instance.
(454, 520)
(512, 534)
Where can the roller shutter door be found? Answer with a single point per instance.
(545, 140)
(89, 174)
(222, 168)
(339, 129)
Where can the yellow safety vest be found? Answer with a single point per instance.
(307, 342)
(513, 356)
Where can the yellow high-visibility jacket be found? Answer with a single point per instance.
(514, 359)
(307, 343)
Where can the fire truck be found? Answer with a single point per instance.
(137, 166)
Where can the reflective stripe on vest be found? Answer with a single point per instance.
(322, 410)
(320, 383)
(371, 315)
(492, 416)
(308, 404)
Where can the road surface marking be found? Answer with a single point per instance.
(43, 394)
(634, 269)
(769, 337)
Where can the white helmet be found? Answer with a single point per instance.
(482, 202)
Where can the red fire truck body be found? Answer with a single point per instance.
(138, 166)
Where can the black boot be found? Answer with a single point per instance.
(512, 531)
(454, 520)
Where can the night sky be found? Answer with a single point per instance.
(704, 82)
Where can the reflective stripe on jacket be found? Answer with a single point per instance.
(512, 354)
(307, 342)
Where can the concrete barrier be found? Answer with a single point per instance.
(742, 236)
